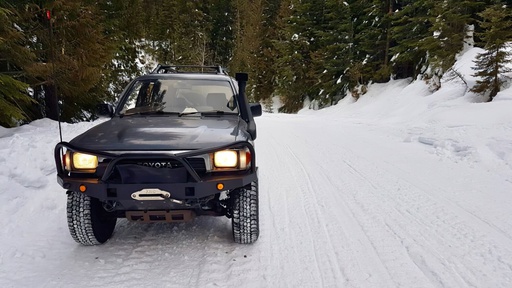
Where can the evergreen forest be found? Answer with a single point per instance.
(60, 58)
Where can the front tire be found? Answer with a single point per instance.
(245, 221)
(89, 224)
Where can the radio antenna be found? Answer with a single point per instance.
(52, 52)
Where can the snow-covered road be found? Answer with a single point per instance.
(365, 210)
(343, 203)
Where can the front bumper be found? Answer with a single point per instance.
(181, 189)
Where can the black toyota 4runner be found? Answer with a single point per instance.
(179, 144)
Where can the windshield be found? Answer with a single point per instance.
(180, 96)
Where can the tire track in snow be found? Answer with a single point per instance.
(319, 220)
(390, 252)
(378, 250)
(274, 215)
(448, 230)
(289, 221)
(348, 250)
(407, 226)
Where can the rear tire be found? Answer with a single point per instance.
(245, 221)
(88, 223)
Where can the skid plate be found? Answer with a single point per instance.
(161, 216)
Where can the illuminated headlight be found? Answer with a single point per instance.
(80, 161)
(230, 160)
(225, 159)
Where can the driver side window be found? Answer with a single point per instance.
(132, 98)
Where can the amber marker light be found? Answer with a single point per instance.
(66, 161)
(220, 186)
(82, 188)
(245, 159)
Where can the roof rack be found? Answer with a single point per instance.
(162, 69)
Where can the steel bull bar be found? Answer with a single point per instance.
(198, 187)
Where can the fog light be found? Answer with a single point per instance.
(82, 188)
(220, 186)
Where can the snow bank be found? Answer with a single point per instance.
(452, 123)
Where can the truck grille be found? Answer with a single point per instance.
(161, 165)
(197, 164)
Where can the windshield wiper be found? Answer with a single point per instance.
(188, 113)
(207, 113)
(159, 112)
(156, 112)
(218, 112)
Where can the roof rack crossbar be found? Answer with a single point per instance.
(188, 69)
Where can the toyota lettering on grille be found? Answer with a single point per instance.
(156, 164)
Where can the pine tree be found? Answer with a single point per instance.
(410, 27)
(363, 52)
(219, 32)
(334, 57)
(124, 26)
(491, 65)
(373, 38)
(300, 63)
(449, 22)
(247, 26)
(176, 30)
(265, 67)
(71, 52)
(15, 103)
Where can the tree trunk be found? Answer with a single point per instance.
(388, 34)
(496, 77)
(51, 103)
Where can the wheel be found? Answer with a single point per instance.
(88, 223)
(245, 220)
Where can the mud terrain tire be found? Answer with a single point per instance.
(245, 221)
(89, 224)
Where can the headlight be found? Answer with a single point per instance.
(84, 161)
(232, 160)
(225, 159)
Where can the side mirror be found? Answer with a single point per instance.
(105, 110)
(255, 109)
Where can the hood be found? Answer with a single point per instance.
(160, 133)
